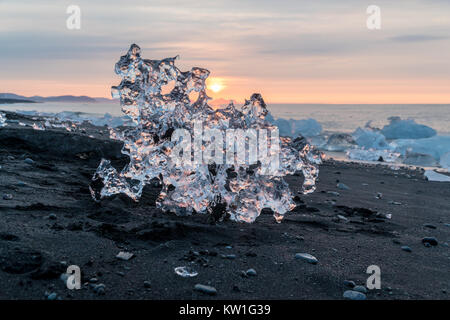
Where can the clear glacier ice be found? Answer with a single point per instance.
(236, 190)
(370, 139)
(372, 155)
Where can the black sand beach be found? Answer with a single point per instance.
(50, 222)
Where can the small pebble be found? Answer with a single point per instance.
(147, 284)
(99, 289)
(406, 248)
(205, 289)
(29, 161)
(361, 289)
(52, 216)
(228, 256)
(52, 296)
(307, 257)
(251, 272)
(349, 283)
(342, 186)
(431, 241)
(354, 295)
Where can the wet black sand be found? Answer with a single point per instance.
(52, 222)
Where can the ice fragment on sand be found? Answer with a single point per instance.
(122, 255)
(434, 176)
(239, 191)
(2, 120)
(186, 272)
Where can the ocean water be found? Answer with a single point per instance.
(347, 117)
(332, 117)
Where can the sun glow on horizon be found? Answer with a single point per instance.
(215, 84)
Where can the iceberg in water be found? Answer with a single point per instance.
(406, 129)
(293, 128)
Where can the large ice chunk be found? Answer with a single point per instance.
(169, 125)
(435, 146)
(370, 139)
(406, 129)
(340, 142)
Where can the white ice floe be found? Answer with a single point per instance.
(436, 146)
(372, 155)
(406, 129)
(434, 176)
(370, 139)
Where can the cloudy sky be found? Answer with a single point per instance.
(290, 51)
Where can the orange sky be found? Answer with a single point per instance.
(301, 52)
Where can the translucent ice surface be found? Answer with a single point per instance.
(185, 272)
(372, 155)
(164, 104)
(2, 120)
(406, 129)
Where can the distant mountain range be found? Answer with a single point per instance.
(15, 98)
(8, 98)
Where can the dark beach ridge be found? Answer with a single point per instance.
(49, 221)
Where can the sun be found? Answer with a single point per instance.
(215, 84)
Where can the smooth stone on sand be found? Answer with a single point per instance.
(228, 256)
(342, 186)
(251, 272)
(307, 257)
(406, 248)
(361, 289)
(354, 295)
(29, 161)
(205, 289)
(52, 296)
(430, 241)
